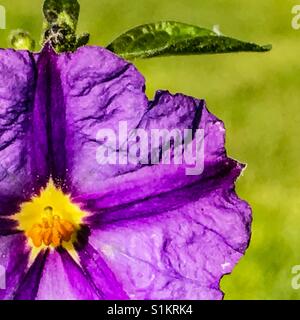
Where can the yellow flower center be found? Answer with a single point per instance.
(50, 219)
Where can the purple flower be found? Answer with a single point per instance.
(73, 229)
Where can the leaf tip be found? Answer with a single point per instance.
(267, 47)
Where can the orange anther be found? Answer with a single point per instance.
(52, 230)
(36, 234)
(47, 237)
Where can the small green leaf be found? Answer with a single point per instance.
(61, 12)
(61, 18)
(168, 38)
(21, 40)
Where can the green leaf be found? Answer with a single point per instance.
(168, 38)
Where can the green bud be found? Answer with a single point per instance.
(21, 40)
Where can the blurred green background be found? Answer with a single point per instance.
(256, 95)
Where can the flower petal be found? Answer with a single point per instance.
(93, 89)
(104, 280)
(165, 234)
(181, 253)
(63, 279)
(29, 284)
(166, 112)
(99, 90)
(22, 131)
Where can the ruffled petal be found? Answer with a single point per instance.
(181, 253)
(146, 181)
